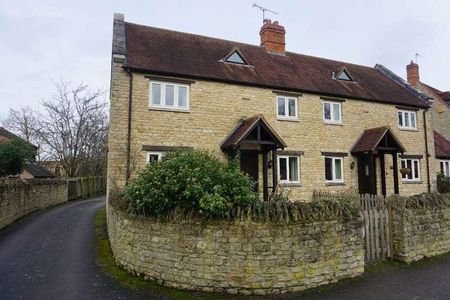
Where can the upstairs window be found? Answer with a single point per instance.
(172, 96)
(445, 167)
(289, 169)
(287, 107)
(332, 112)
(342, 74)
(334, 171)
(413, 170)
(407, 119)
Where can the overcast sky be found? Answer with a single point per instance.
(45, 40)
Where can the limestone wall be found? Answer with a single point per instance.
(19, 197)
(421, 230)
(215, 110)
(244, 257)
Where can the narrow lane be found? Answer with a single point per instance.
(51, 256)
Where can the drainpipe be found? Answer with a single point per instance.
(426, 149)
(130, 101)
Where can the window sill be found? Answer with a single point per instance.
(333, 123)
(334, 183)
(290, 184)
(412, 182)
(288, 119)
(169, 109)
(408, 129)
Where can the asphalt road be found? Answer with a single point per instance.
(50, 255)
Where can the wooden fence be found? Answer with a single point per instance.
(377, 227)
(85, 187)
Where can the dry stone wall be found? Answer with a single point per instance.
(245, 257)
(421, 231)
(19, 197)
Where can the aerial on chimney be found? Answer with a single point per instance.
(273, 37)
(412, 73)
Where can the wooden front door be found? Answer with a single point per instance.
(367, 175)
(249, 165)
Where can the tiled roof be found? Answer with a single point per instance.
(245, 127)
(441, 146)
(371, 138)
(6, 135)
(166, 52)
(38, 171)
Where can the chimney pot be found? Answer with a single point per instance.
(412, 73)
(273, 37)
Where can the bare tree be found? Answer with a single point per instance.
(24, 122)
(73, 128)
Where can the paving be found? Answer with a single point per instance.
(50, 255)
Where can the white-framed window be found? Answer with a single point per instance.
(154, 156)
(445, 167)
(334, 169)
(287, 107)
(413, 165)
(289, 169)
(332, 112)
(407, 119)
(166, 95)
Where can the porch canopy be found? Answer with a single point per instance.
(251, 138)
(376, 142)
(253, 131)
(378, 139)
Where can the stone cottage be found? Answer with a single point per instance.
(295, 122)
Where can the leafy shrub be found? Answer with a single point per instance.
(443, 184)
(13, 155)
(192, 180)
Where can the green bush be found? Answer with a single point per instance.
(13, 155)
(192, 180)
(443, 184)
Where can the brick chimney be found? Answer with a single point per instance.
(412, 73)
(273, 37)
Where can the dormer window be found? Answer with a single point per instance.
(235, 57)
(343, 74)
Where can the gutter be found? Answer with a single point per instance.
(427, 155)
(130, 105)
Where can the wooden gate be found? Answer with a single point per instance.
(377, 227)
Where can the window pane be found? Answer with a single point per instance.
(406, 119)
(281, 107)
(413, 119)
(156, 93)
(293, 168)
(182, 96)
(235, 58)
(338, 169)
(327, 111)
(170, 95)
(409, 166)
(328, 169)
(447, 168)
(403, 167)
(400, 119)
(336, 112)
(283, 168)
(416, 169)
(292, 108)
(153, 157)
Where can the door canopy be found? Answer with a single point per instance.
(253, 131)
(378, 139)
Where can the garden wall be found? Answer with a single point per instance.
(248, 257)
(19, 197)
(421, 228)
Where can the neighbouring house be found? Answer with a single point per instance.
(440, 115)
(31, 168)
(296, 122)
